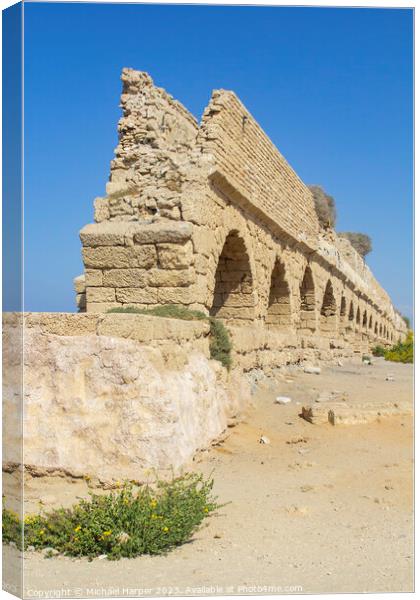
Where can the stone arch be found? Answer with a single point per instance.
(328, 310)
(380, 330)
(278, 311)
(376, 327)
(343, 312)
(358, 317)
(351, 313)
(307, 302)
(234, 296)
(364, 320)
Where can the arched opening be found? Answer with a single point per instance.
(351, 315)
(364, 321)
(233, 291)
(370, 322)
(343, 310)
(380, 330)
(328, 311)
(376, 328)
(278, 312)
(307, 321)
(358, 318)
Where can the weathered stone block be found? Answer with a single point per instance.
(79, 284)
(93, 277)
(156, 233)
(119, 257)
(125, 278)
(166, 278)
(137, 295)
(102, 307)
(81, 301)
(100, 294)
(177, 295)
(175, 256)
(109, 233)
(101, 209)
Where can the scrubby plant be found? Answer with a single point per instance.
(127, 522)
(324, 207)
(378, 351)
(406, 321)
(220, 343)
(169, 311)
(361, 242)
(403, 351)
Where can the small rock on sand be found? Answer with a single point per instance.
(282, 400)
(312, 370)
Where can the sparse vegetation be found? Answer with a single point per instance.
(403, 351)
(220, 344)
(407, 321)
(361, 242)
(378, 351)
(324, 207)
(169, 311)
(123, 523)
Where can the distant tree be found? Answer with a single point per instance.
(361, 242)
(324, 207)
(406, 321)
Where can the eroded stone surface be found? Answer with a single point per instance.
(112, 404)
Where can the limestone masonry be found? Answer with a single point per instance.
(212, 217)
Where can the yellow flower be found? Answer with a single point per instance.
(41, 531)
(206, 509)
(118, 484)
(107, 533)
(165, 529)
(153, 503)
(154, 516)
(125, 500)
(78, 528)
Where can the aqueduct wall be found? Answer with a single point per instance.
(211, 216)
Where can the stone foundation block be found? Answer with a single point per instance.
(137, 295)
(175, 256)
(125, 278)
(170, 278)
(100, 294)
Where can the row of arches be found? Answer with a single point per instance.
(234, 298)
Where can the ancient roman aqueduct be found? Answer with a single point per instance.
(212, 217)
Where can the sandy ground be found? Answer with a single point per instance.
(320, 508)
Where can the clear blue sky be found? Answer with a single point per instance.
(331, 87)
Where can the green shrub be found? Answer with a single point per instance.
(123, 523)
(169, 311)
(220, 344)
(403, 351)
(12, 527)
(378, 351)
(407, 321)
